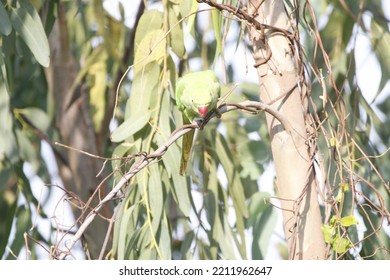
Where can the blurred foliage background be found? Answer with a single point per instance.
(102, 83)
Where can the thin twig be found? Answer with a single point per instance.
(146, 159)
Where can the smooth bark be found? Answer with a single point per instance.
(278, 73)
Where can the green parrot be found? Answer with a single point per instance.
(197, 94)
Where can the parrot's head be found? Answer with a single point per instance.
(197, 94)
(205, 98)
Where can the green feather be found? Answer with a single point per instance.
(195, 92)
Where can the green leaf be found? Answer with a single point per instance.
(373, 237)
(130, 126)
(189, 8)
(212, 204)
(23, 225)
(37, 117)
(225, 239)
(182, 193)
(150, 50)
(33, 34)
(171, 158)
(164, 242)
(27, 152)
(380, 40)
(125, 223)
(146, 251)
(24, 185)
(8, 204)
(344, 187)
(150, 41)
(263, 229)
(6, 172)
(155, 195)
(8, 147)
(251, 153)
(98, 76)
(341, 245)
(150, 20)
(349, 221)
(117, 165)
(5, 24)
(258, 203)
(215, 14)
(328, 232)
(252, 124)
(176, 37)
(235, 185)
(145, 86)
(250, 90)
(51, 16)
(98, 54)
(125, 230)
(186, 246)
(336, 36)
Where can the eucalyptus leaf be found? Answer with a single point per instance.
(147, 252)
(155, 195)
(216, 18)
(125, 230)
(235, 185)
(33, 34)
(182, 193)
(8, 147)
(165, 242)
(151, 49)
(185, 249)
(150, 20)
(176, 37)
(8, 205)
(144, 88)
(27, 152)
(129, 127)
(380, 41)
(341, 244)
(263, 229)
(225, 240)
(258, 203)
(5, 23)
(188, 9)
(98, 73)
(23, 225)
(171, 158)
(212, 205)
(37, 117)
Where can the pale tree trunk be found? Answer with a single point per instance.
(278, 78)
(73, 121)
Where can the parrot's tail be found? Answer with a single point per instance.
(186, 150)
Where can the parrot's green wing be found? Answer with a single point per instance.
(196, 94)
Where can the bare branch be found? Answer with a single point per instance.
(253, 107)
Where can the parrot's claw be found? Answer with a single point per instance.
(217, 113)
(199, 122)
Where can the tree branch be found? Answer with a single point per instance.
(253, 107)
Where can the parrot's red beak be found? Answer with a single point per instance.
(203, 109)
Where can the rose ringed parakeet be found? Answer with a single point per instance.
(197, 94)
